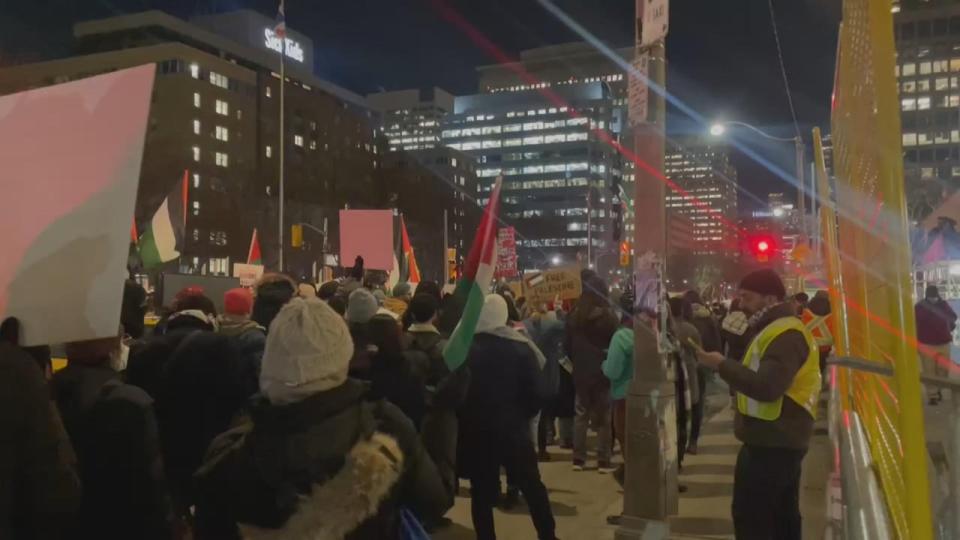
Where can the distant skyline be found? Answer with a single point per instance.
(722, 57)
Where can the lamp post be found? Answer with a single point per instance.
(718, 129)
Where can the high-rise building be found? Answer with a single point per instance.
(560, 179)
(215, 114)
(928, 70)
(411, 118)
(424, 185)
(709, 194)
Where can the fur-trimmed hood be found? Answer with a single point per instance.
(337, 507)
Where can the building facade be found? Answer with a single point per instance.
(707, 195)
(433, 189)
(215, 117)
(928, 70)
(560, 179)
(411, 118)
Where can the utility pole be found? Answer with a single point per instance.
(650, 456)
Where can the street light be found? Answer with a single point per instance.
(556, 260)
(719, 128)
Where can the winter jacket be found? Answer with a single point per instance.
(333, 466)
(686, 354)
(586, 342)
(39, 486)
(935, 322)
(707, 328)
(503, 395)
(114, 432)
(779, 364)
(147, 362)
(251, 339)
(205, 384)
(618, 367)
(400, 378)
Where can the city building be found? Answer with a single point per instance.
(928, 70)
(560, 179)
(707, 194)
(411, 118)
(432, 189)
(215, 114)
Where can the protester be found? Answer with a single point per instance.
(361, 307)
(711, 340)
(818, 321)
(777, 385)
(400, 300)
(318, 460)
(936, 322)
(39, 486)
(618, 367)
(354, 279)
(339, 305)
(686, 340)
(272, 292)
(504, 395)
(734, 331)
(548, 334)
(445, 391)
(236, 324)
(397, 375)
(590, 326)
(327, 291)
(114, 432)
(133, 308)
(800, 301)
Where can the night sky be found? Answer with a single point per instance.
(722, 56)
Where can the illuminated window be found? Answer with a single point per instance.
(196, 180)
(557, 137)
(577, 137)
(195, 71)
(223, 108)
(490, 130)
(491, 144)
(217, 79)
(269, 91)
(510, 128)
(223, 134)
(533, 140)
(909, 69)
(923, 103)
(268, 150)
(222, 159)
(512, 142)
(196, 99)
(941, 83)
(298, 140)
(196, 153)
(471, 145)
(924, 68)
(196, 208)
(579, 121)
(313, 144)
(196, 127)
(908, 104)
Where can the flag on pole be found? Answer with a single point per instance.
(133, 231)
(473, 286)
(281, 28)
(163, 239)
(253, 255)
(409, 271)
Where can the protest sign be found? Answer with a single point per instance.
(547, 286)
(247, 273)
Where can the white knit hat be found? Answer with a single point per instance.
(494, 313)
(308, 351)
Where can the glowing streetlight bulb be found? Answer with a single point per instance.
(717, 130)
(555, 260)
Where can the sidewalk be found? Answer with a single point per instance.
(582, 500)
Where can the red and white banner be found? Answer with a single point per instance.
(506, 253)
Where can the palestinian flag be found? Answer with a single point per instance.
(163, 239)
(409, 271)
(253, 256)
(473, 286)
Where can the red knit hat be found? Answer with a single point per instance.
(238, 301)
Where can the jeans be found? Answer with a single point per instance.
(596, 414)
(766, 493)
(520, 460)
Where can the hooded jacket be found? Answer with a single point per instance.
(587, 338)
(935, 322)
(330, 467)
(781, 361)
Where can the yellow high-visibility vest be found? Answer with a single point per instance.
(819, 327)
(805, 388)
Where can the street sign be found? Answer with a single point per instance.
(506, 252)
(637, 89)
(652, 21)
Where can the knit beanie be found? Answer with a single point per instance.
(308, 351)
(238, 301)
(380, 296)
(402, 289)
(361, 306)
(494, 313)
(765, 282)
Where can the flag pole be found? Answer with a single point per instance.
(283, 84)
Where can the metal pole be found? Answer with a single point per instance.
(444, 271)
(589, 227)
(283, 83)
(801, 191)
(650, 487)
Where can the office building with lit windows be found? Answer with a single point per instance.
(215, 114)
(928, 70)
(560, 180)
(709, 195)
(410, 119)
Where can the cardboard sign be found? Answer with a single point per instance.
(546, 286)
(247, 273)
(506, 253)
(71, 157)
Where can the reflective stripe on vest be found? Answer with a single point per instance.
(820, 330)
(805, 387)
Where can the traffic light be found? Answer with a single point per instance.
(763, 247)
(624, 254)
(296, 235)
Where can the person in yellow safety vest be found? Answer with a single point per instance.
(777, 385)
(819, 321)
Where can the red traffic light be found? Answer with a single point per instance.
(763, 246)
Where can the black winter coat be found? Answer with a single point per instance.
(587, 338)
(316, 465)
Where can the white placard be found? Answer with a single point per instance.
(248, 274)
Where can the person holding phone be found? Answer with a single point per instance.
(777, 384)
